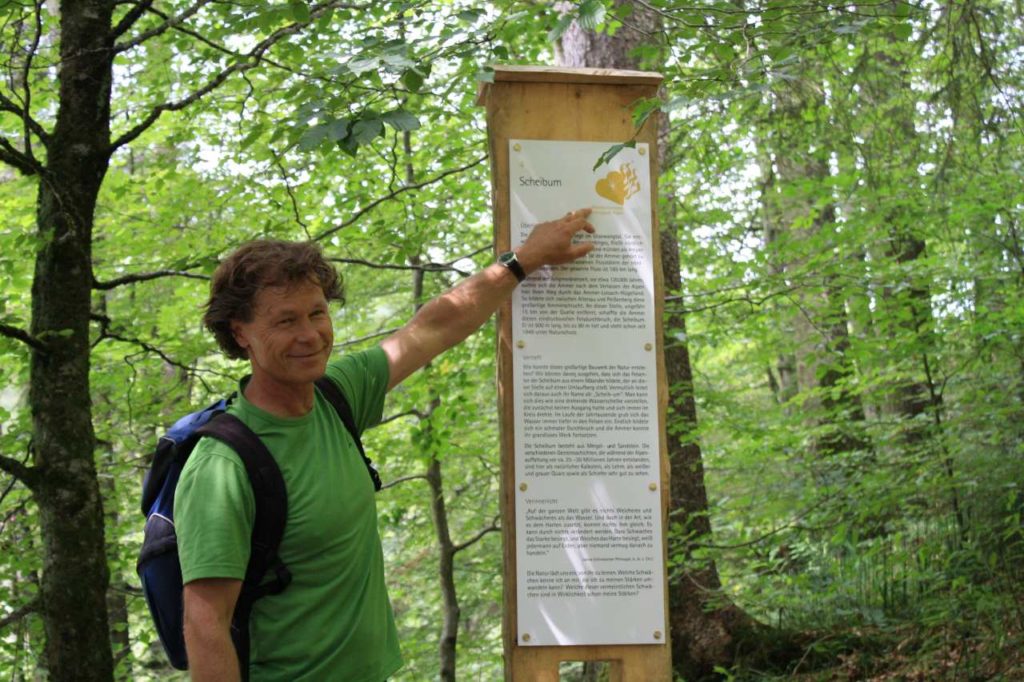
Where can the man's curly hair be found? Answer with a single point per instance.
(255, 266)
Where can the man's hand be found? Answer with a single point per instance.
(454, 315)
(553, 242)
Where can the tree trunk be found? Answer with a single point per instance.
(704, 627)
(117, 602)
(445, 573)
(793, 216)
(905, 304)
(451, 613)
(75, 577)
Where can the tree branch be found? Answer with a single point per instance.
(368, 337)
(137, 12)
(403, 479)
(391, 195)
(145, 277)
(9, 105)
(107, 333)
(220, 48)
(250, 61)
(23, 111)
(17, 510)
(408, 413)
(6, 492)
(23, 336)
(290, 191)
(424, 267)
(26, 474)
(23, 161)
(493, 528)
(19, 613)
(129, 19)
(26, 70)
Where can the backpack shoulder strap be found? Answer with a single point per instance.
(337, 400)
(264, 475)
(271, 499)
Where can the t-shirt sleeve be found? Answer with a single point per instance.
(363, 378)
(213, 513)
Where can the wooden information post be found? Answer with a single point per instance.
(581, 382)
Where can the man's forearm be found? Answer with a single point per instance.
(209, 605)
(211, 655)
(451, 317)
(447, 320)
(460, 311)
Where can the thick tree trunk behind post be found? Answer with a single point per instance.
(75, 576)
(704, 628)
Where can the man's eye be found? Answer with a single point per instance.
(284, 322)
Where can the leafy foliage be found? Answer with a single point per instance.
(846, 183)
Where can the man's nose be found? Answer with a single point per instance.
(306, 331)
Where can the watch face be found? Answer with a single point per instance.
(509, 260)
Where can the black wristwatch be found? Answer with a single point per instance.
(509, 260)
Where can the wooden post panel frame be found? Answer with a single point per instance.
(586, 105)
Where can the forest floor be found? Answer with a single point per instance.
(917, 655)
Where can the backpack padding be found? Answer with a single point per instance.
(337, 399)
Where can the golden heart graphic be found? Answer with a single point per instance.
(619, 185)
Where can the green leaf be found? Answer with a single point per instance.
(398, 61)
(612, 152)
(337, 129)
(724, 52)
(349, 145)
(299, 10)
(412, 80)
(366, 130)
(848, 29)
(902, 31)
(401, 120)
(643, 110)
(591, 14)
(324, 22)
(312, 138)
(254, 134)
(561, 26)
(676, 103)
(361, 65)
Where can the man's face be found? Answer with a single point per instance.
(290, 336)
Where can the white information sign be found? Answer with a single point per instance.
(588, 499)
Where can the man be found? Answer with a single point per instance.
(269, 304)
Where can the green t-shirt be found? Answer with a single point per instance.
(334, 620)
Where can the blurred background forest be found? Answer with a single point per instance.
(841, 196)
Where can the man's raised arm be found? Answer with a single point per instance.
(448, 319)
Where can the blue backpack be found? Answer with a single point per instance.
(158, 566)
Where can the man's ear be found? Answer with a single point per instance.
(238, 332)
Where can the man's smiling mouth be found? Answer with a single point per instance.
(307, 355)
